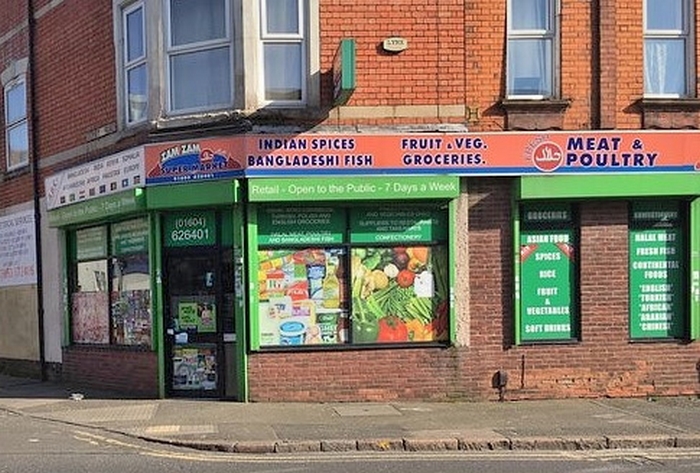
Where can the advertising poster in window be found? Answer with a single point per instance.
(399, 292)
(302, 297)
(131, 283)
(656, 249)
(17, 249)
(548, 278)
(90, 317)
(194, 367)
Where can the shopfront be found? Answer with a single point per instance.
(152, 284)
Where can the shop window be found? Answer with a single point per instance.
(667, 48)
(657, 274)
(110, 288)
(337, 276)
(531, 49)
(16, 128)
(548, 274)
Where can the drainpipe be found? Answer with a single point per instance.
(31, 32)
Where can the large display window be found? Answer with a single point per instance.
(333, 276)
(110, 285)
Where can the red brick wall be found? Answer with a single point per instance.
(133, 373)
(76, 85)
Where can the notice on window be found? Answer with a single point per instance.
(656, 274)
(547, 284)
(397, 225)
(300, 226)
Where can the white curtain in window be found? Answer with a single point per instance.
(282, 71)
(664, 67)
(282, 16)
(201, 79)
(529, 15)
(194, 21)
(530, 67)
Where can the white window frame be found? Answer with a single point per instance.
(11, 125)
(128, 66)
(172, 51)
(552, 34)
(685, 34)
(300, 37)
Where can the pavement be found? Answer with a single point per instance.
(571, 424)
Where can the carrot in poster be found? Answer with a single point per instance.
(526, 251)
(567, 249)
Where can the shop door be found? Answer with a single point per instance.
(197, 309)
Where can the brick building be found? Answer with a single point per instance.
(316, 200)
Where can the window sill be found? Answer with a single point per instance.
(662, 113)
(546, 114)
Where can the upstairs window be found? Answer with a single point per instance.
(531, 49)
(16, 129)
(135, 63)
(283, 53)
(199, 55)
(666, 48)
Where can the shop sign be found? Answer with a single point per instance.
(98, 178)
(456, 154)
(191, 161)
(192, 228)
(300, 225)
(130, 237)
(101, 208)
(91, 243)
(548, 281)
(17, 249)
(344, 65)
(656, 276)
(395, 225)
(368, 188)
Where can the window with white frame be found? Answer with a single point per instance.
(199, 55)
(210, 59)
(283, 50)
(531, 49)
(666, 48)
(16, 128)
(135, 63)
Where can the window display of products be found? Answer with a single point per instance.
(301, 297)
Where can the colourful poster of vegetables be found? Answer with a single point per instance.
(399, 294)
(90, 322)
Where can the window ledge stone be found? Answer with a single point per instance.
(545, 114)
(672, 114)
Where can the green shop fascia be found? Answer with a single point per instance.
(160, 269)
(663, 245)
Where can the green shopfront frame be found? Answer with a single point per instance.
(153, 203)
(300, 227)
(683, 189)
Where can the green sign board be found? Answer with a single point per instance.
(107, 207)
(547, 285)
(91, 243)
(344, 71)
(397, 225)
(130, 237)
(355, 188)
(190, 228)
(300, 226)
(656, 249)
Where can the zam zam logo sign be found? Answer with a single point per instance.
(589, 154)
(185, 162)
